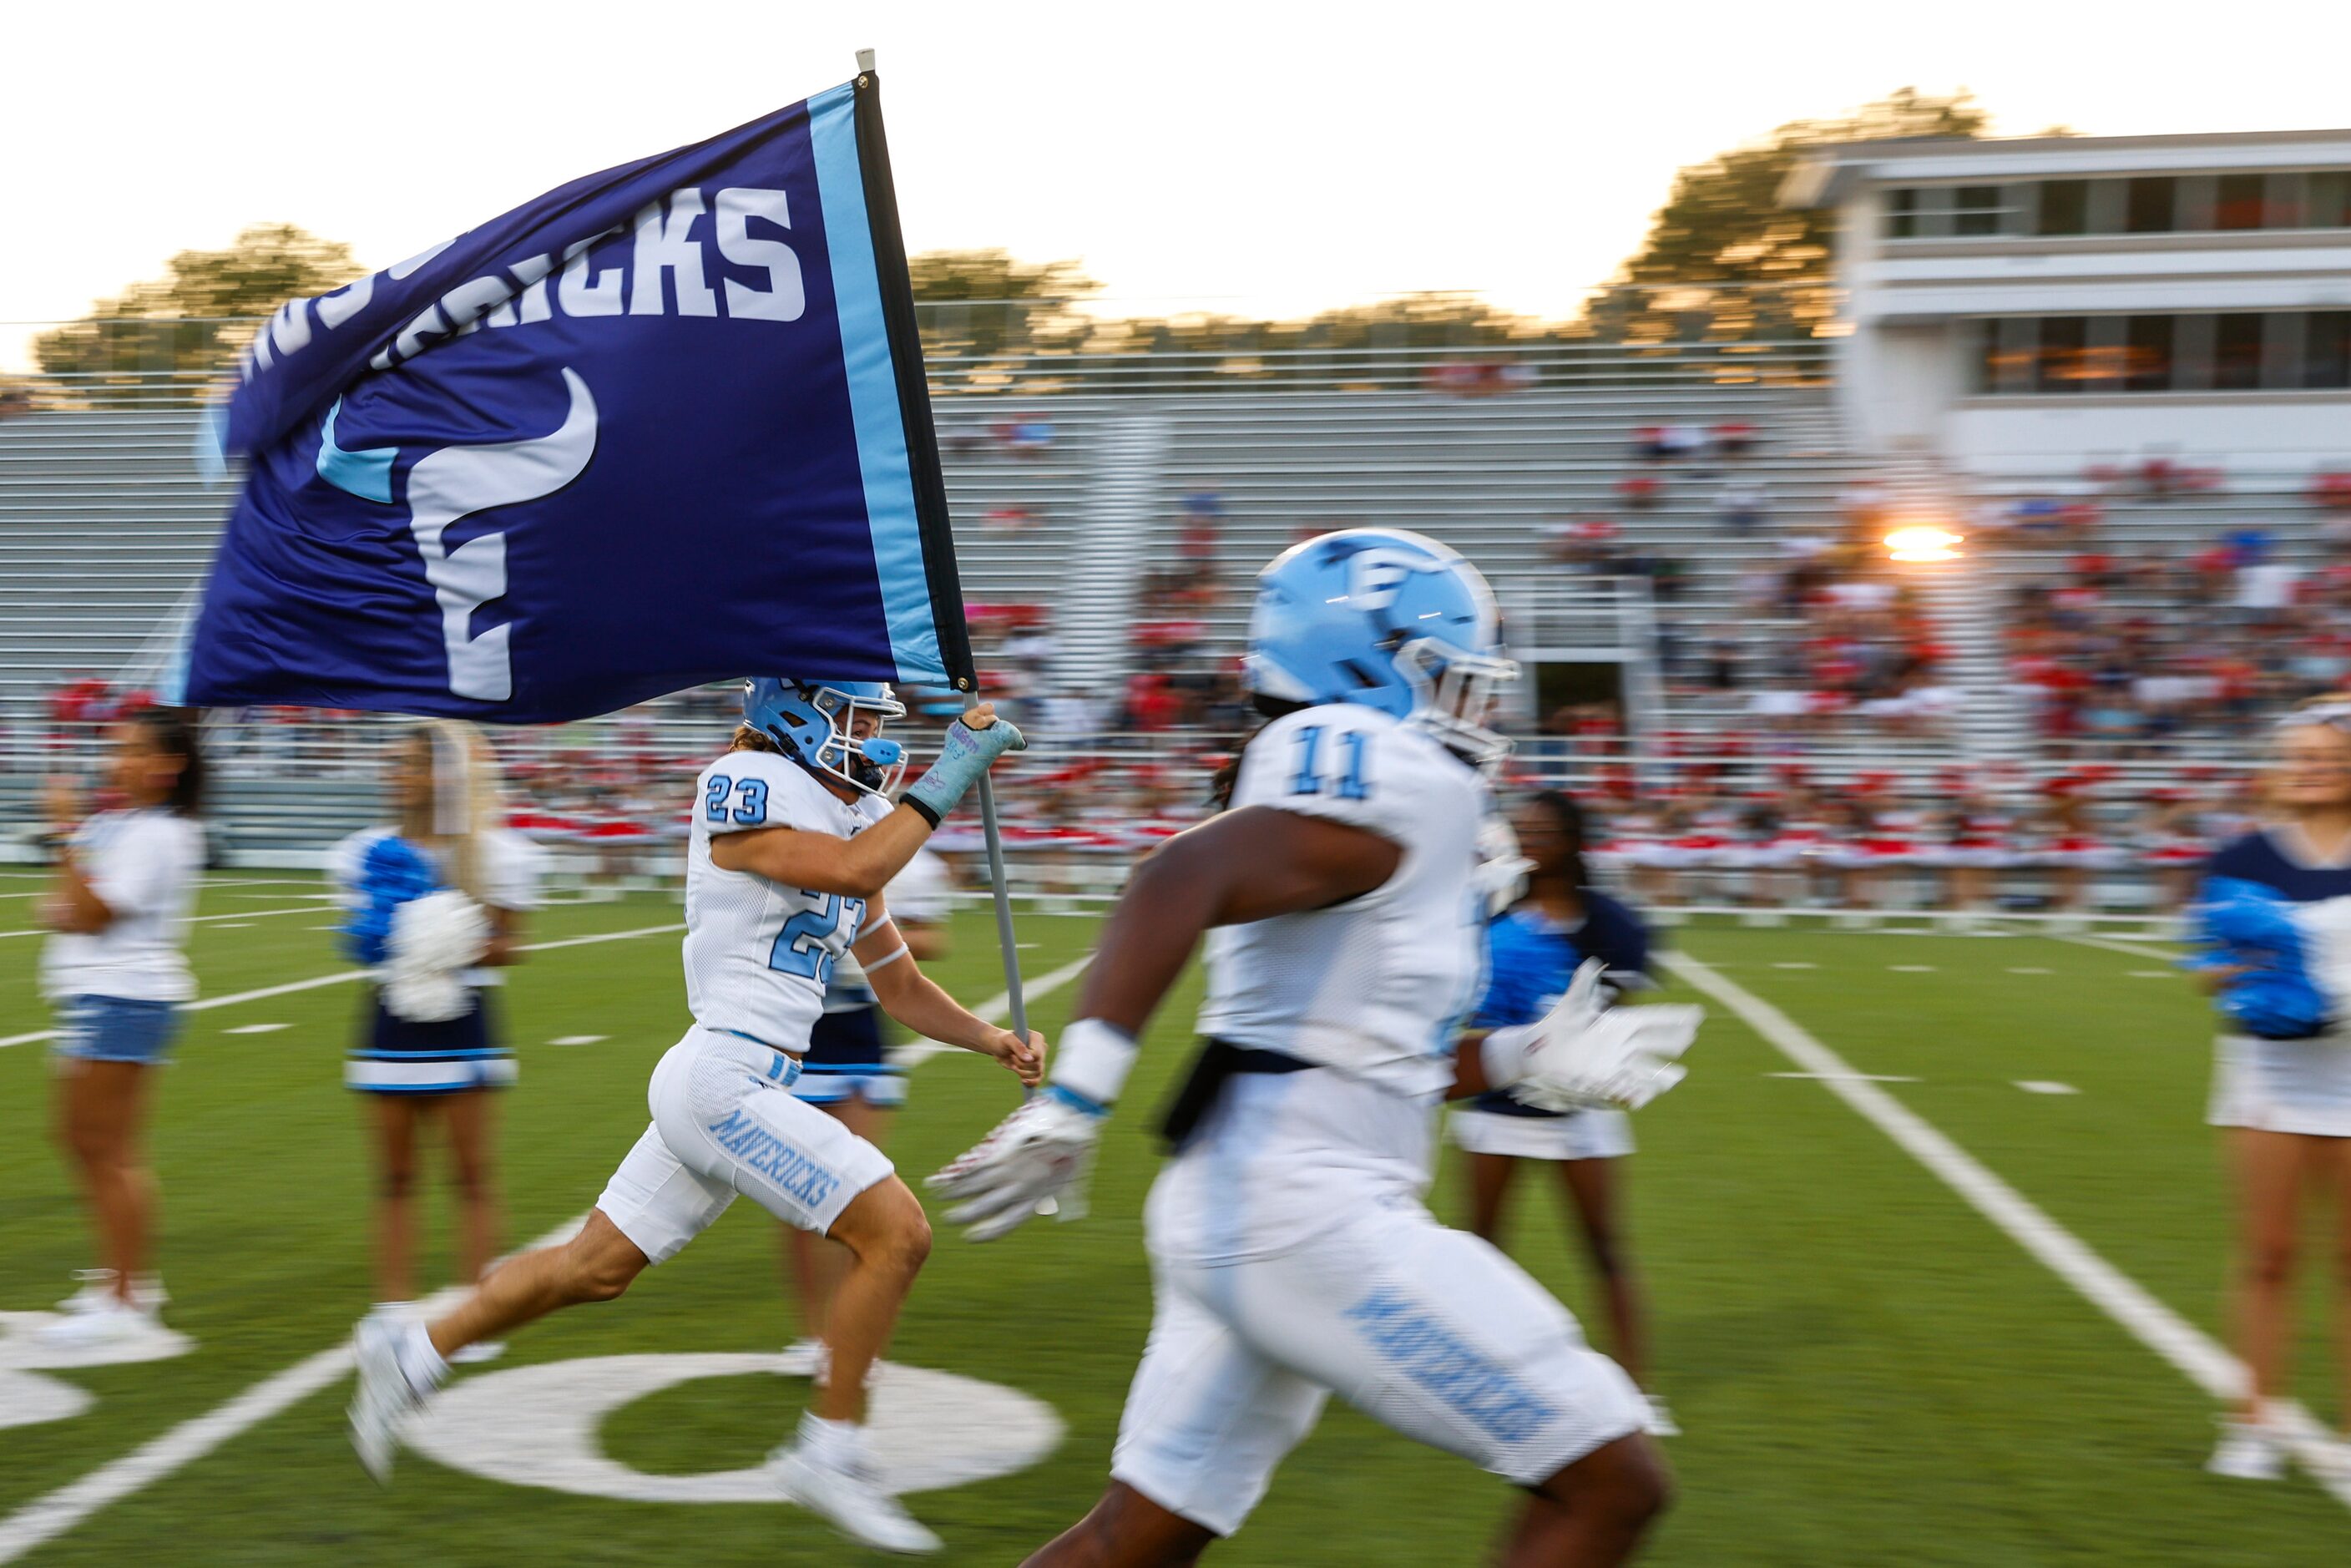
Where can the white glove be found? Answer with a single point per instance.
(1501, 874)
(432, 939)
(1042, 1151)
(1585, 1053)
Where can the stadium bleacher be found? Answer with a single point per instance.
(1063, 510)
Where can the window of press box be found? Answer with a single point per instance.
(2238, 204)
(2239, 351)
(2147, 353)
(2139, 205)
(2326, 349)
(2063, 364)
(1976, 210)
(1902, 211)
(2065, 207)
(2326, 199)
(2150, 205)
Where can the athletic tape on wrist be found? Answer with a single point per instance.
(1094, 1060)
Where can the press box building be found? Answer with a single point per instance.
(2020, 310)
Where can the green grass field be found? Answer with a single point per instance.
(1867, 1371)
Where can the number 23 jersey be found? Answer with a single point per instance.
(758, 952)
(1374, 987)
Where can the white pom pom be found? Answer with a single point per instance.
(433, 939)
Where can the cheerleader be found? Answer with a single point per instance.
(2282, 1086)
(115, 973)
(1533, 951)
(436, 903)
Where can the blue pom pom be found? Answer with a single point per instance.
(2246, 924)
(394, 872)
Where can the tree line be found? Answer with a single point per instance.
(1722, 262)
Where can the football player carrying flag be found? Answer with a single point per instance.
(793, 842)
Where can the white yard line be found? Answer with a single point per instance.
(2188, 1348)
(343, 977)
(195, 920)
(2153, 947)
(45, 1519)
(997, 1009)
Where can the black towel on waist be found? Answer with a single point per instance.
(1197, 1095)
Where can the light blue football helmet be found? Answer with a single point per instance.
(1386, 617)
(812, 722)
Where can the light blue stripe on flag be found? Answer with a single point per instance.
(873, 386)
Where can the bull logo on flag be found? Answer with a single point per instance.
(452, 483)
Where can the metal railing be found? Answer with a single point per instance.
(994, 347)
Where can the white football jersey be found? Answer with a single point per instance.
(758, 954)
(1376, 986)
(918, 895)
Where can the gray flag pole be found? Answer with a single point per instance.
(1004, 937)
(914, 403)
(1020, 1009)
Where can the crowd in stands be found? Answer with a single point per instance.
(1953, 839)
(2127, 650)
(2123, 652)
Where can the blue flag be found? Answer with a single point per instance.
(664, 425)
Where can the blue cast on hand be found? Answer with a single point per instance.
(966, 755)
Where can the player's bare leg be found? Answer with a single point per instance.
(1126, 1529)
(597, 1265)
(828, 1466)
(888, 1237)
(815, 1264)
(401, 1362)
(1592, 1513)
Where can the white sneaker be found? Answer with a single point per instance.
(478, 1352)
(2248, 1451)
(804, 1358)
(1659, 1422)
(2329, 1463)
(98, 1291)
(847, 1496)
(111, 1321)
(385, 1397)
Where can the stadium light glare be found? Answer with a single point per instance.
(1923, 543)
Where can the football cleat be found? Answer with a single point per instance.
(849, 1497)
(385, 1399)
(2248, 1451)
(804, 1358)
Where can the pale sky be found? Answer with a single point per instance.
(1263, 157)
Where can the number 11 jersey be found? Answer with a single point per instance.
(1374, 986)
(758, 952)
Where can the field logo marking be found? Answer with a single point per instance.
(536, 1427)
(28, 1398)
(2187, 1347)
(46, 1518)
